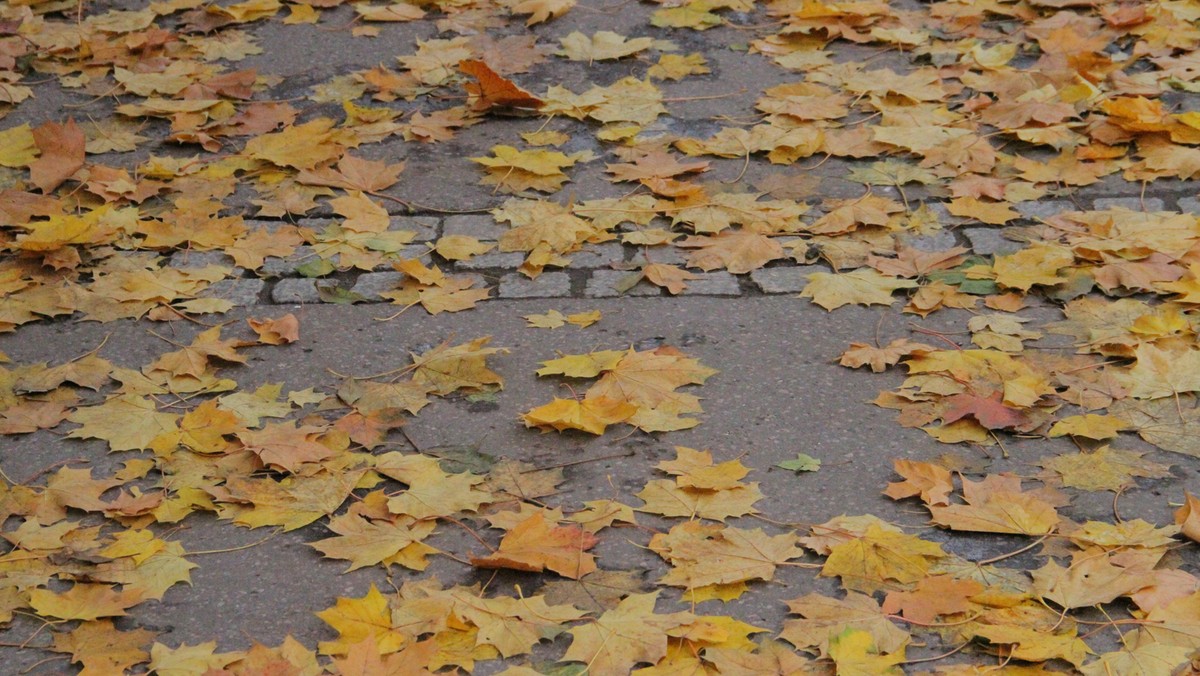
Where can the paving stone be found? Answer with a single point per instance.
(718, 283)
(990, 241)
(668, 255)
(288, 291)
(545, 285)
(938, 241)
(603, 284)
(1131, 203)
(240, 292)
(1189, 205)
(183, 260)
(371, 284)
(479, 226)
(1044, 208)
(273, 266)
(426, 227)
(598, 256)
(493, 259)
(790, 279)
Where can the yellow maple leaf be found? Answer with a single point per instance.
(601, 46)
(863, 286)
(590, 415)
(356, 619)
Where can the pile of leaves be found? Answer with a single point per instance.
(997, 106)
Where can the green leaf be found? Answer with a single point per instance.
(802, 463)
(316, 268)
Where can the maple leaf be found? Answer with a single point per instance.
(1145, 660)
(648, 380)
(854, 652)
(695, 469)
(934, 596)
(280, 331)
(705, 554)
(61, 154)
(600, 514)
(601, 46)
(591, 415)
(1090, 425)
(1027, 643)
(1104, 469)
(555, 319)
(1038, 264)
(1187, 517)
(18, 147)
(446, 369)
(364, 657)
(655, 164)
(587, 365)
(535, 545)
(82, 602)
(739, 252)
(825, 618)
(285, 446)
(997, 505)
(495, 91)
(101, 649)
(933, 483)
(193, 359)
(670, 277)
(669, 499)
(513, 170)
(879, 358)
(514, 626)
(356, 619)
(355, 174)
(621, 638)
(1163, 373)
(461, 247)
(304, 146)
(879, 559)
(539, 10)
(189, 659)
(366, 542)
(127, 422)
(862, 286)
(431, 492)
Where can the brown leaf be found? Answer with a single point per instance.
(62, 153)
(535, 545)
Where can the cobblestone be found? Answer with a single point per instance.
(1189, 205)
(938, 241)
(182, 260)
(1131, 203)
(493, 259)
(990, 241)
(426, 227)
(240, 292)
(273, 266)
(598, 256)
(545, 285)
(668, 255)
(719, 283)
(370, 285)
(289, 291)
(479, 226)
(1036, 209)
(603, 284)
(784, 279)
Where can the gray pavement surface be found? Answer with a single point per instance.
(779, 390)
